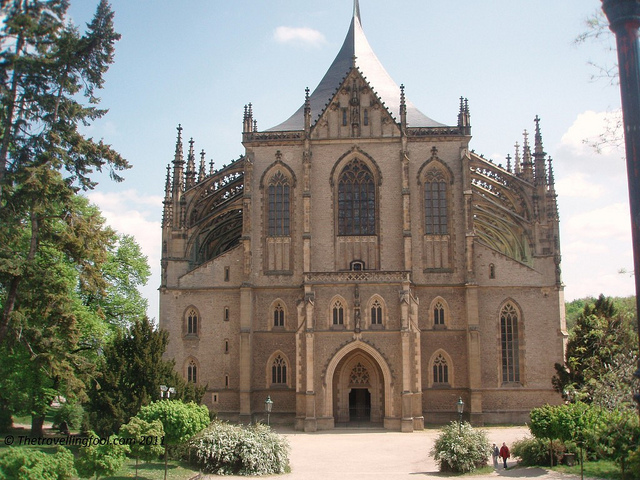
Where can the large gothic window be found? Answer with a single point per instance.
(438, 314)
(440, 370)
(279, 205)
(435, 204)
(279, 371)
(509, 343)
(356, 200)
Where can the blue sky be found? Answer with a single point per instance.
(199, 62)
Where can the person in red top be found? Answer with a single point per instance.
(504, 453)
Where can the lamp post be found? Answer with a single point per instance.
(460, 406)
(268, 405)
(624, 21)
(166, 390)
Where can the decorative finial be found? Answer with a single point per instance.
(202, 172)
(509, 163)
(211, 167)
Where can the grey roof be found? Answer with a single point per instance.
(356, 44)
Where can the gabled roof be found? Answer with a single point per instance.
(356, 49)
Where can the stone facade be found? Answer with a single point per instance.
(357, 266)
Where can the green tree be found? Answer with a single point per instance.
(180, 421)
(46, 353)
(147, 439)
(101, 457)
(618, 436)
(48, 79)
(125, 270)
(599, 342)
(131, 370)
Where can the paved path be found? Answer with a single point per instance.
(353, 454)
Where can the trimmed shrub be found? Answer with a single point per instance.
(30, 464)
(535, 451)
(101, 458)
(225, 449)
(72, 413)
(461, 448)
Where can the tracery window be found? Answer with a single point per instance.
(338, 313)
(278, 316)
(279, 205)
(279, 371)
(192, 322)
(359, 375)
(435, 204)
(356, 200)
(438, 314)
(510, 344)
(192, 372)
(440, 370)
(376, 313)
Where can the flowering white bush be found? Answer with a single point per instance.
(225, 449)
(461, 448)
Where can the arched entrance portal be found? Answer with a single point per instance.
(358, 389)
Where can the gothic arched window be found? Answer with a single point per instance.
(510, 344)
(435, 205)
(278, 316)
(279, 371)
(279, 205)
(376, 313)
(192, 322)
(356, 200)
(438, 314)
(338, 313)
(192, 372)
(440, 370)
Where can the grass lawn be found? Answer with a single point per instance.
(602, 469)
(146, 471)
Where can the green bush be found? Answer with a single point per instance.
(461, 448)
(535, 451)
(72, 413)
(225, 449)
(29, 464)
(101, 458)
(634, 463)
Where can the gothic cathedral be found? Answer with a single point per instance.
(360, 263)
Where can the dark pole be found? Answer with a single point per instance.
(624, 21)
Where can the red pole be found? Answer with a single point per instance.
(624, 21)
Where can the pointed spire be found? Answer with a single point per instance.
(178, 165)
(464, 118)
(191, 166)
(538, 155)
(403, 110)
(202, 172)
(211, 170)
(166, 211)
(517, 166)
(509, 163)
(356, 10)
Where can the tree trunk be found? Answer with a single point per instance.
(37, 425)
(12, 294)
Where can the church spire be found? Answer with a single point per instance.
(191, 166)
(527, 164)
(356, 10)
(203, 171)
(538, 155)
(178, 164)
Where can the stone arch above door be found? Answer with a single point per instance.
(338, 381)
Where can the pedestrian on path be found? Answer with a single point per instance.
(504, 453)
(495, 453)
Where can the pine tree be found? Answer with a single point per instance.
(47, 68)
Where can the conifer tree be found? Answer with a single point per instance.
(49, 77)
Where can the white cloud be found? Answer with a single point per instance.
(589, 127)
(612, 221)
(577, 185)
(298, 35)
